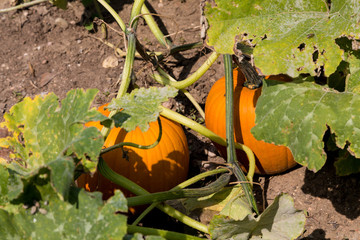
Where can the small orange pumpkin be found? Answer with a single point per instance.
(270, 158)
(157, 169)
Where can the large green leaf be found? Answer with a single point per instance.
(289, 37)
(140, 107)
(55, 219)
(298, 114)
(280, 221)
(46, 135)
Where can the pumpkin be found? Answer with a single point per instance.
(270, 158)
(157, 169)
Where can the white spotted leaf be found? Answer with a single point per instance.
(290, 37)
(298, 114)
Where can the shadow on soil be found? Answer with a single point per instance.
(343, 192)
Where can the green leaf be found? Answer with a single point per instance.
(46, 134)
(353, 83)
(55, 219)
(346, 163)
(279, 221)
(289, 37)
(140, 107)
(60, 3)
(298, 114)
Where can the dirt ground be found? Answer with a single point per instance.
(45, 49)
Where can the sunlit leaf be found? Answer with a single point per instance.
(140, 107)
(289, 37)
(298, 114)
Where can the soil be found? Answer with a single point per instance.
(45, 49)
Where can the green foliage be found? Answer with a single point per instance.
(289, 37)
(279, 221)
(140, 107)
(89, 218)
(45, 135)
(297, 115)
(60, 3)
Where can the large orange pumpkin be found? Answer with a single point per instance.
(157, 169)
(270, 158)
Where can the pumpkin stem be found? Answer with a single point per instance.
(253, 79)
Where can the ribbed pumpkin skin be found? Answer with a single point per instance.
(158, 169)
(270, 159)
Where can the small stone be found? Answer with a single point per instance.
(110, 62)
(61, 23)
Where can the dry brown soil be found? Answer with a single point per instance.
(45, 49)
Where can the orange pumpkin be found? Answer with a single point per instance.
(270, 158)
(157, 169)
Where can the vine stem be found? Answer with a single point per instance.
(23, 5)
(154, 27)
(124, 182)
(184, 184)
(193, 78)
(157, 77)
(230, 133)
(163, 233)
(113, 13)
(178, 193)
(211, 135)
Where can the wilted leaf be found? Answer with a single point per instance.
(140, 107)
(289, 37)
(298, 114)
(229, 202)
(280, 221)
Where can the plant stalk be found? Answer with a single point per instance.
(178, 193)
(113, 13)
(124, 182)
(193, 78)
(23, 5)
(232, 160)
(184, 184)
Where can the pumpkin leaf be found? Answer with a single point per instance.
(229, 202)
(44, 134)
(353, 83)
(279, 221)
(346, 163)
(88, 218)
(285, 36)
(59, 3)
(298, 114)
(140, 107)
